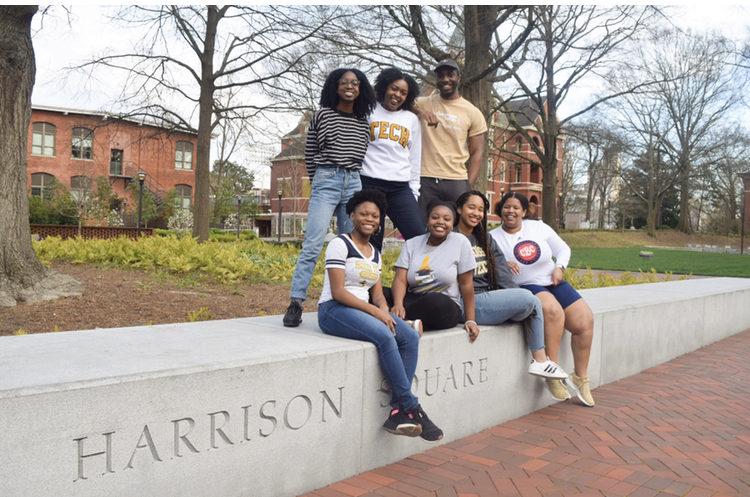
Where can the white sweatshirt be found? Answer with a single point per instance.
(533, 248)
(395, 149)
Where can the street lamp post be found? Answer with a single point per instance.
(239, 204)
(141, 179)
(279, 222)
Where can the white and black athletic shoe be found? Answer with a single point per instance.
(547, 369)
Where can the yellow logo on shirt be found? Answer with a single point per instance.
(383, 130)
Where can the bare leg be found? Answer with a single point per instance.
(579, 320)
(554, 324)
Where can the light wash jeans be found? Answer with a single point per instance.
(398, 353)
(332, 187)
(512, 304)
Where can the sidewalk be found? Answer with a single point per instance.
(679, 429)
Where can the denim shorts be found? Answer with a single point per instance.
(564, 293)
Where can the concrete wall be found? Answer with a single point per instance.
(245, 407)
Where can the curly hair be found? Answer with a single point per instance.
(480, 232)
(388, 76)
(367, 195)
(516, 195)
(365, 101)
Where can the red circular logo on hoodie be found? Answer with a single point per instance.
(527, 252)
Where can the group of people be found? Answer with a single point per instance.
(385, 151)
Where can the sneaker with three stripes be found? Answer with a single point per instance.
(547, 369)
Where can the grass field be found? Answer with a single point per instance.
(663, 261)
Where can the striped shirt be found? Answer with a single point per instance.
(335, 139)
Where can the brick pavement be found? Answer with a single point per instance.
(678, 429)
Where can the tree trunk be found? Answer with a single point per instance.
(590, 192)
(651, 195)
(478, 24)
(205, 116)
(602, 210)
(549, 138)
(22, 276)
(683, 223)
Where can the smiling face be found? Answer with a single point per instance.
(395, 95)
(348, 89)
(472, 212)
(440, 222)
(447, 82)
(512, 213)
(366, 219)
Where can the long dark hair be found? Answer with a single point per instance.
(365, 101)
(388, 76)
(480, 231)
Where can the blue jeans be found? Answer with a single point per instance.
(403, 209)
(512, 304)
(332, 187)
(397, 353)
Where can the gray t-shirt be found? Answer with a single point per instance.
(436, 269)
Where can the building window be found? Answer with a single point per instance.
(41, 185)
(43, 139)
(183, 158)
(183, 196)
(115, 162)
(536, 176)
(517, 167)
(83, 140)
(287, 222)
(79, 186)
(519, 144)
(501, 172)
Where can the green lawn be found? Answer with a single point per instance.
(664, 260)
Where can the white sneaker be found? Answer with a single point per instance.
(547, 369)
(417, 325)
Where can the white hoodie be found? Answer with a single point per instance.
(395, 149)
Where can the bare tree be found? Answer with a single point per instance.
(198, 55)
(570, 45)
(485, 38)
(22, 277)
(698, 86)
(651, 174)
(724, 184)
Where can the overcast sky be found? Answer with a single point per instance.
(63, 39)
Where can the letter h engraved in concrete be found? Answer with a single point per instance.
(218, 429)
(107, 452)
(184, 436)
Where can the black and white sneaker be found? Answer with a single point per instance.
(547, 369)
(430, 431)
(402, 422)
(293, 315)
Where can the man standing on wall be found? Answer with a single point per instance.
(453, 132)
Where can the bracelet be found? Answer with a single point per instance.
(470, 321)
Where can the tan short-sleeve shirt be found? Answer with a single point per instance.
(445, 147)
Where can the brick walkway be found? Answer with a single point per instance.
(679, 429)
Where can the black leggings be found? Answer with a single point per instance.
(436, 310)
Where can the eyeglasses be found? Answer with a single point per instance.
(347, 82)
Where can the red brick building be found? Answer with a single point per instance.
(511, 165)
(74, 147)
(290, 186)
